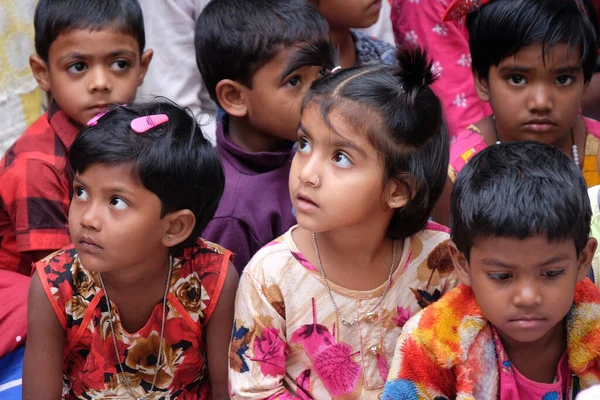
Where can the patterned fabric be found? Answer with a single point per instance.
(514, 386)
(594, 195)
(36, 191)
(420, 23)
(90, 367)
(447, 351)
(470, 142)
(370, 49)
(20, 98)
(288, 339)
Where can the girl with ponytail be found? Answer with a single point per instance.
(318, 311)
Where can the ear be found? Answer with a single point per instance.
(584, 263)
(396, 194)
(180, 225)
(144, 64)
(461, 264)
(40, 72)
(482, 86)
(232, 97)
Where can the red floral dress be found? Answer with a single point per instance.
(90, 366)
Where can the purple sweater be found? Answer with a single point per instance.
(256, 206)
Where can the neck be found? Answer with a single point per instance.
(147, 274)
(344, 43)
(250, 139)
(538, 360)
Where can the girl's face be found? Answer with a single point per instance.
(336, 175)
(534, 97)
(114, 221)
(349, 13)
(524, 287)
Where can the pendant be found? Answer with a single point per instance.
(371, 316)
(348, 323)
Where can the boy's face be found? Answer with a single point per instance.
(89, 70)
(273, 103)
(349, 13)
(534, 97)
(525, 287)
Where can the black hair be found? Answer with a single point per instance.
(403, 119)
(172, 160)
(502, 28)
(56, 17)
(520, 190)
(235, 38)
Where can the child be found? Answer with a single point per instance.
(258, 58)
(355, 47)
(532, 61)
(525, 318)
(318, 310)
(89, 55)
(146, 184)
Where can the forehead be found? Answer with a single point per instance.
(529, 251)
(93, 42)
(100, 175)
(558, 56)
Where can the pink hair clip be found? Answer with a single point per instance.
(94, 121)
(460, 8)
(144, 124)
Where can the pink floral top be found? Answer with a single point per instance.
(288, 341)
(420, 23)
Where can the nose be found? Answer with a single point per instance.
(90, 217)
(527, 295)
(99, 80)
(541, 99)
(309, 172)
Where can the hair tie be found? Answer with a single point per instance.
(144, 124)
(460, 8)
(336, 69)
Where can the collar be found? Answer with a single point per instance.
(66, 129)
(248, 162)
(456, 321)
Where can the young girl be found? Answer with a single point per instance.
(318, 310)
(136, 307)
(532, 61)
(355, 47)
(524, 324)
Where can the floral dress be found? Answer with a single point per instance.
(288, 340)
(89, 361)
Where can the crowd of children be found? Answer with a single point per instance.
(306, 255)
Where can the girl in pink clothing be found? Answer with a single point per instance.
(420, 23)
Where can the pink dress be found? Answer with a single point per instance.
(419, 22)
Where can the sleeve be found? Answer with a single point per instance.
(468, 143)
(234, 235)
(258, 349)
(448, 46)
(213, 279)
(184, 83)
(36, 197)
(414, 372)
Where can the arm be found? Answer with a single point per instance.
(218, 332)
(43, 365)
(258, 349)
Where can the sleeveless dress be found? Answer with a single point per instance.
(470, 142)
(89, 361)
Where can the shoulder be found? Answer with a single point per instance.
(468, 143)
(371, 49)
(274, 261)
(592, 126)
(205, 256)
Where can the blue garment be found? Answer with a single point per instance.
(370, 49)
(11, 371)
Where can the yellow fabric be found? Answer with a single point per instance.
(590, 167)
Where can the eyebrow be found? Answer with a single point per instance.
(515, 68)
(113, 54)
(497, 263)
(340, 142)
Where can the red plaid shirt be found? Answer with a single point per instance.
(35, 191)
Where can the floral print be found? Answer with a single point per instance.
(89, 363)
(288, 341)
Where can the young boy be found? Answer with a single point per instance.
(355, 47)
(258, 58)
(524, 323)
(89, 55)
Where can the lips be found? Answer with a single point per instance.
(528, 321)
(98, 108)
(305, 204)
(88, 244)
(540, 125)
